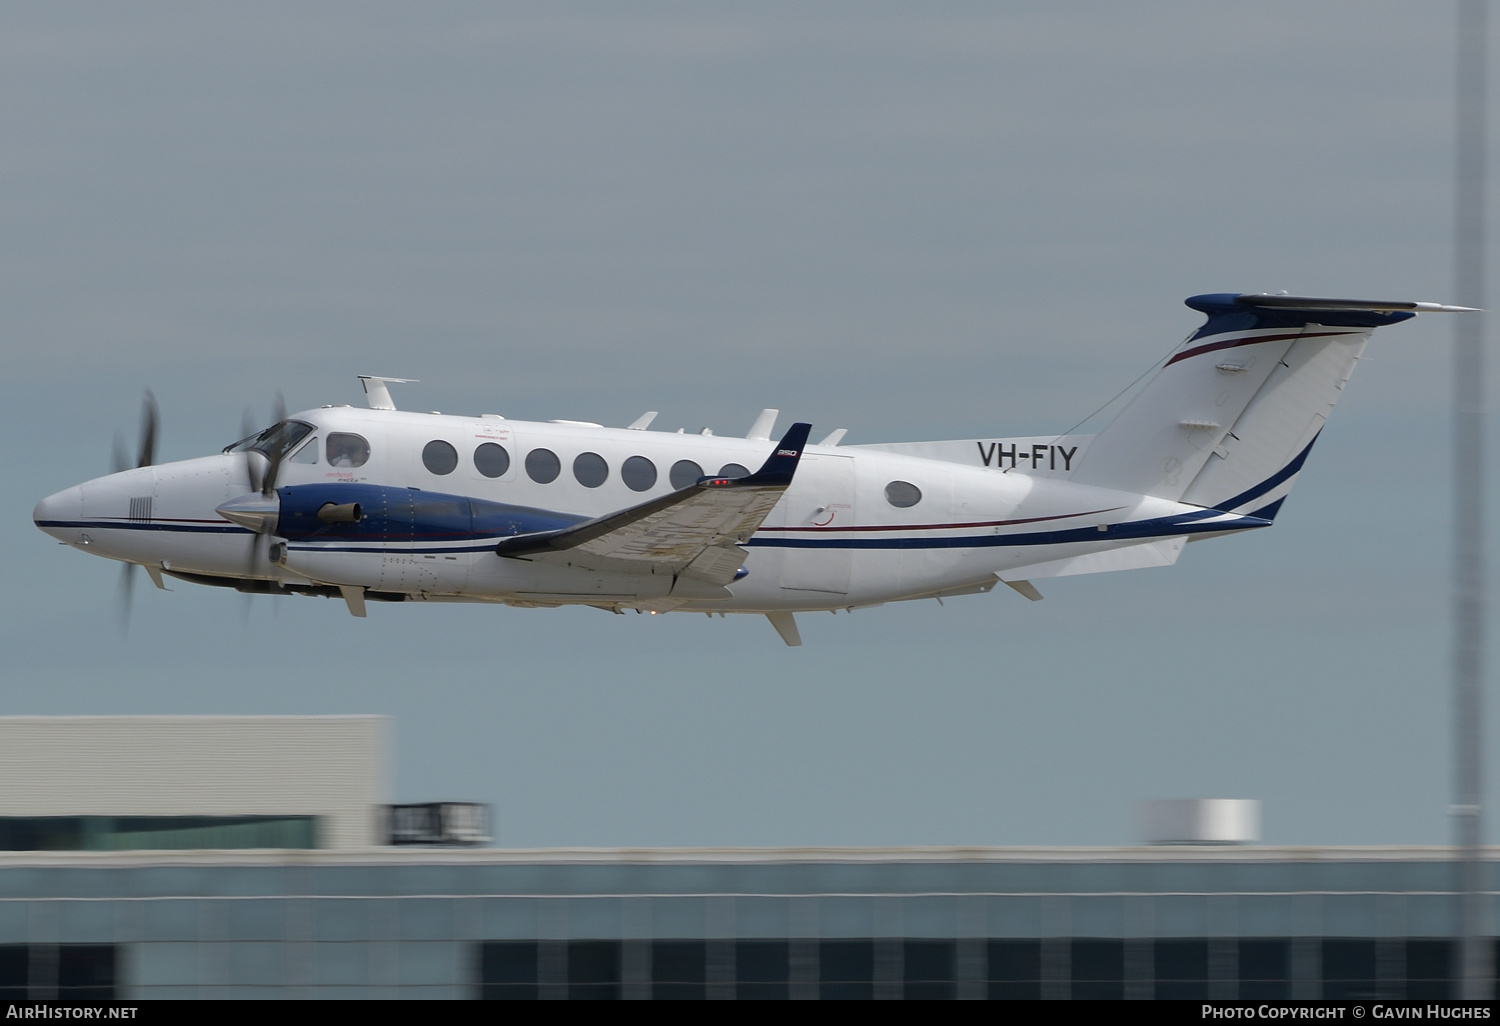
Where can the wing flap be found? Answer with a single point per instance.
(694, 531)
(717, 564)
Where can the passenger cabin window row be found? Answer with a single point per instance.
(639, 474)
(345, 449)
(544, 466)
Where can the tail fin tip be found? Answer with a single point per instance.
(1242, 311)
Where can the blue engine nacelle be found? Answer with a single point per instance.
(378, 513)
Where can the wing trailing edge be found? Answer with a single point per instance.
(695, 532)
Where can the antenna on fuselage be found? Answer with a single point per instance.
(761, 429)
(380, 396)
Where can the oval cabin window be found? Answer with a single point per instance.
(684, 473)
(491, 460)
(902, 494)
(638, 473)
(543, 466)
(439, 457)
(590, 469)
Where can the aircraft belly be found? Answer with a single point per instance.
(354, 569)
(411, 573)
(890, 575)
(497, 578)
(827, 571)
(395, 571)
(1162, 552)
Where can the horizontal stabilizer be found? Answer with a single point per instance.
(1277, 302)
(1163, 552)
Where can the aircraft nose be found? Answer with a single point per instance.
(59, 515)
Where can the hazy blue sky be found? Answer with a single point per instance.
(913, 221)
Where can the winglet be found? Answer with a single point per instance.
(779, 466)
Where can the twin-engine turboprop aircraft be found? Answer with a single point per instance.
(380, 504)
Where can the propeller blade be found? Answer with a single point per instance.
(268, 489)
(278, 412)
(119, 457)
(252, 470)
(246, 598)
(125, 595)
(150, 419)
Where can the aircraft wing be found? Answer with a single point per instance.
(695, 532)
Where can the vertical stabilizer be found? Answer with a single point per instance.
(1254, 467)
(1231, 415)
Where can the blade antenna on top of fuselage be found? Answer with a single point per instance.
(379, 395)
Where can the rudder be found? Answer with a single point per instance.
(1229, 419)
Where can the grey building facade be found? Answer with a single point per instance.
(1148, 922)
(216, 856)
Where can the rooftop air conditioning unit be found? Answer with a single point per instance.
(1200, 821)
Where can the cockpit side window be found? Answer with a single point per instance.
(275, 441)
(347, 450)
(307, 454)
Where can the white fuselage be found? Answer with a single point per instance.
(836, 539)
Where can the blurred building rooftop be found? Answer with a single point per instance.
(259, 857)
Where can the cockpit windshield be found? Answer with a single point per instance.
(275, 441)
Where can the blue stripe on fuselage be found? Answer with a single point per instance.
(1160, 527)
